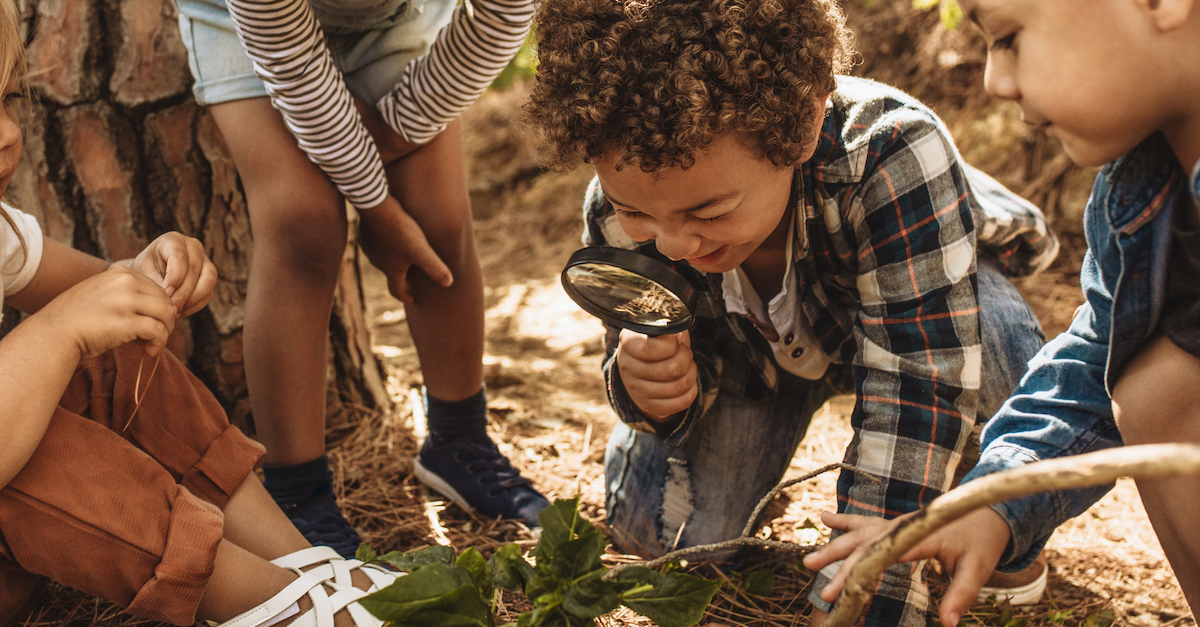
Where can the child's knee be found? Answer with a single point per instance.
(1157, 397)
(305, 234)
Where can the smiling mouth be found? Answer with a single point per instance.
(710, 258)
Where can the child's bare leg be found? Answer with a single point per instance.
(447, 328)
(254, 522)
(1157, 400)
(446, 323)
(299, 224)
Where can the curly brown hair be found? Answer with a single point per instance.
(659, 79)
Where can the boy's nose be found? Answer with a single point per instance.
(676, 246)
(999, 79)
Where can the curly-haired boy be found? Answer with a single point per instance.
(832, 224)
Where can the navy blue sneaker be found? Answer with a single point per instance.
(320, 521)
(305, 494)
(477, 477)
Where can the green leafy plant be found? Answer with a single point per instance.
(566, 584)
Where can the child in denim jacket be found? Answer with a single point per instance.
(833, 227)
(1116, 82)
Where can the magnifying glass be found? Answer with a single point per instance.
(630, 290)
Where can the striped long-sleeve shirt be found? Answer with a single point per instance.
(284, 40)
(890, 221)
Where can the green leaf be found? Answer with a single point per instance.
(435, 595)
(509, 570)
(676, 599)
(576, 558)
(561, 523)
(471, 561)
(760, 582)
(591, 596)
(548, 591)
(365, 553)
(412, 560)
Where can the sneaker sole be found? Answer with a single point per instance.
(1028, 594)
(432, 480)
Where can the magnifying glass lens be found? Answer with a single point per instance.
(627, 295)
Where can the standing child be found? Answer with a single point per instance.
(1116, 82)
(324, 101)
(833, 225)
(120, 475)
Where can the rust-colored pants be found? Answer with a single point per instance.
(133, 516)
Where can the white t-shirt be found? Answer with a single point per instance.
(18, 263)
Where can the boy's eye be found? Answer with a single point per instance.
(625, 213)
(1004, 43)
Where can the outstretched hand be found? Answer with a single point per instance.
(969, 550)
(394, 243)
(179, 265)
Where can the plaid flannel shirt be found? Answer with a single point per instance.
(890, 220)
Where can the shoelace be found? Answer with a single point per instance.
(482, 460)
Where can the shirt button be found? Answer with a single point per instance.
(789, 338)
(797, 353)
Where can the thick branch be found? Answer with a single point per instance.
(1139, 462)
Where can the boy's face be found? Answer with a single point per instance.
(713, 214)
(1081, 70)
(11, 141)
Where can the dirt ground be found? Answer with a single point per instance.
(543, 355)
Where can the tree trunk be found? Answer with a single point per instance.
(117, 152)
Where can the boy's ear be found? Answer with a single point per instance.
(1168, 15)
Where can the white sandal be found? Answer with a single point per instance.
(331, 571)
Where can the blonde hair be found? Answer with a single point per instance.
(12, 70)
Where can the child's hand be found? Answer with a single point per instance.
(178, 265)
(394, 242)
(110, 309)
(969, 550)
(658, 372)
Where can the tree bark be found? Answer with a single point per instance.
(117, 152)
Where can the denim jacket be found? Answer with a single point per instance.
(1063, 405)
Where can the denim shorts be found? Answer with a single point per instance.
(371, 43)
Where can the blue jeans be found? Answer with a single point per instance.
(740, 449)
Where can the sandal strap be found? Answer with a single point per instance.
(307, 557)
(327, 563)
(304, 584)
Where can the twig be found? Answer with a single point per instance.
(1080, 471)
(764, 501)
(746, 539)
(715, 547)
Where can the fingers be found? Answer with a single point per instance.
(970, 573)
(659, 373)
(427, 260)
(181, 267)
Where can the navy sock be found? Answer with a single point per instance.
(464, 419)
(289, 485)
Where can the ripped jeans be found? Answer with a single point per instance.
(741, 448)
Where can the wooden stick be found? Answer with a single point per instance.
(1079, 471)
